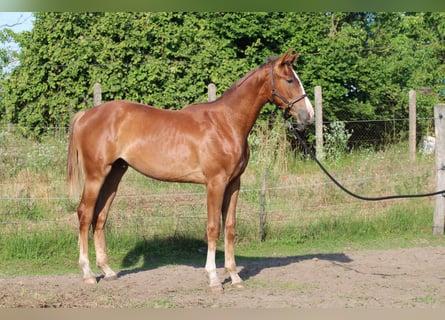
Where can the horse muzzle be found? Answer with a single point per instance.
(302, 116)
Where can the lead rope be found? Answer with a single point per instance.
(338, 184)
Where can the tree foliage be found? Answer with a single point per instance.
(365, 62)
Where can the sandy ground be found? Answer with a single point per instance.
(397, 278)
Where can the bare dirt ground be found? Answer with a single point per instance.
(397, 278)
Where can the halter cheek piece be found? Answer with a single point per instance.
(291, 103)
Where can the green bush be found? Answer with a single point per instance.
(336, 138)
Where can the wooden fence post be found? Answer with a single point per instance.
(211, 92)
(412, 125)
(97, 94)
(439, 200)
(318, 122)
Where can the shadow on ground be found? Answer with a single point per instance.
(192, 252)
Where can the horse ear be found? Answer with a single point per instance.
(293, 57)
(288, 57)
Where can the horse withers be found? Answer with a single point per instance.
(202, 143)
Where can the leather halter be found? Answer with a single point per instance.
(289, 104)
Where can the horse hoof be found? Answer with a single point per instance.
(218, 289)
(238, 285)
(90, 281)
(110, 278)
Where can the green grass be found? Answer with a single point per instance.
(52, 251)
(153, 223)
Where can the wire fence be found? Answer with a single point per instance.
(33, 192)
(363, 132)
(383, 132)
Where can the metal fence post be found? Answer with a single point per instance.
(439, 200)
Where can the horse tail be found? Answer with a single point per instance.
(74, 167)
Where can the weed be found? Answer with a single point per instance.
(336, 140)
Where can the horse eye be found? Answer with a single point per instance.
(290, 80)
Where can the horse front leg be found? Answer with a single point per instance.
(229, 220)
(215, 196)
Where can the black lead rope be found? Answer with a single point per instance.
(311, 153)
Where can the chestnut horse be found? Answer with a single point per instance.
(203, 143)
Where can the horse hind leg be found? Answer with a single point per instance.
(106, 197)
(85, 214)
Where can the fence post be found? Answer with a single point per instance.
(97, 94)
(439, 200)
(211, 92)
(262, 225)
(318, 122)
(412, 125)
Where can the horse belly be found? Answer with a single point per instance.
(166, 166)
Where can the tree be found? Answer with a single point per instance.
(365, 62)
(7, 55)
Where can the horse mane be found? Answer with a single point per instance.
(249, 74)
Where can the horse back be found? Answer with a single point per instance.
(162, 144)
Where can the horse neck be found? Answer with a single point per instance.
(245, 99)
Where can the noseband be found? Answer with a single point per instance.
(291, 103)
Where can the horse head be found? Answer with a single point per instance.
(288, 92)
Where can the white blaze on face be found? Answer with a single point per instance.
(307, 102)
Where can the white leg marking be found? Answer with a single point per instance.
(236, 279)
(102, 262)
(230, 266)
(211, 268)
(84, 265)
